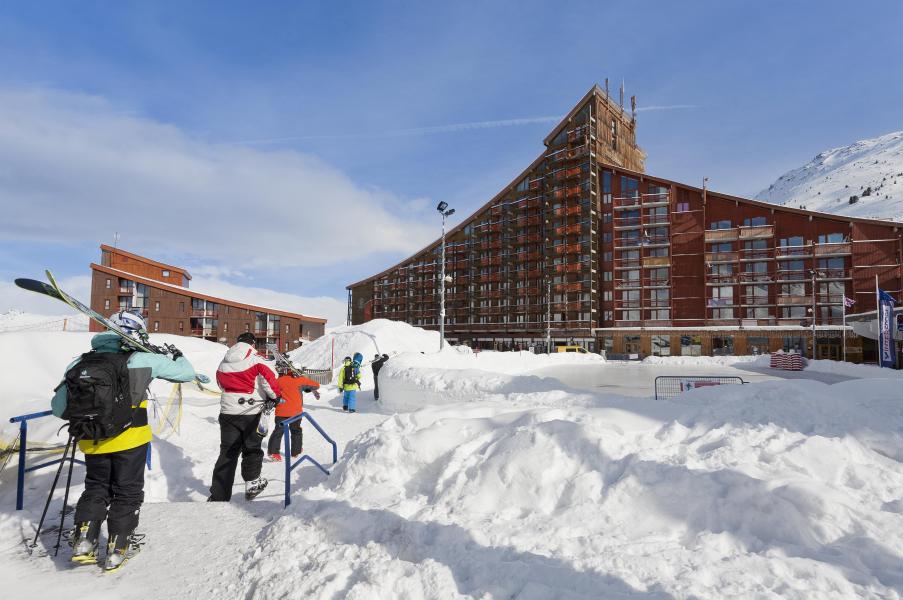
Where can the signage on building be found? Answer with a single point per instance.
(885, 333)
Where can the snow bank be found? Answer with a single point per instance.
(379, 336)
(851, 369)
(411, 381)
(773, 490)
(34, 364)
(703, 361)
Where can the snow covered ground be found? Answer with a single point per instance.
(478, 476)
(17, 320)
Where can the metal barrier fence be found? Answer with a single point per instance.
(289, 465)
(23, 420)
(321, 376)
(669, 386)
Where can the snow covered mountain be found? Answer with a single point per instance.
(864, 179)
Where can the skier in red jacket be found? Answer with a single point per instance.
(292, 387)
(248, 384)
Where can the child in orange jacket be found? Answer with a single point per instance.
(292, 388)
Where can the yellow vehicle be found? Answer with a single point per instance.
(578, 349)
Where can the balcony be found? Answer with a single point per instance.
(656, 220)
(624, 202)
(656, 261)
(657, 282)
(839, 249)
(568, 306)
(757, 232)
(793, 251)
(569, 154)
(627, 264)
(721, 279)
(628, 223)
(567, 173)
(495, 245)
(750, 276)
(656, 199)
(721, 257)
(721, 235)
(494, 261)
(569, 268)
(577, 286)
(203, 332)
(568, 249)
(569, 229)
(787, 299)
(565, 211)
(527, 221)
(626, 284)
(747, 255)
(203, 314)
(755, 300)
(533, 238)
(788, 275)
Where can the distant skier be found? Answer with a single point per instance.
(376, 365)
(349, 383)
(292, 388)
(248, 384)
(114, 482)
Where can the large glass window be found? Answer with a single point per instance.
(757, 344)
(796, 240)
(724, 224)
(755, 221)
(690, 345)
(721, 247)
(831, 238)
(661, 345)
(723, 345)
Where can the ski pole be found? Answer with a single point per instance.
(59, 535)
(34, 542)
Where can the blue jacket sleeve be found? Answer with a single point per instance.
(60, 396)
(163, 367)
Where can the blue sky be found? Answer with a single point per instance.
(320, 126)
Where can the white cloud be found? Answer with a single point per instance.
(74, 168)
(332, 309)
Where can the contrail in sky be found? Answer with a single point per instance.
(451, 128)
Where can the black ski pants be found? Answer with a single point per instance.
(275, 443)
(114, 489)
(238, 437)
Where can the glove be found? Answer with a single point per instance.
(316, 394)
(177, 354)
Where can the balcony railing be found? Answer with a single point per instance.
(565, 211)
(720, 235)
(721, 257)
(786, 299)
(793, 251)
(835, 249)
(621, 202)
(757, 232)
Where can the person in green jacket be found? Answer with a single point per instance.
(349, 384)
(114, 482)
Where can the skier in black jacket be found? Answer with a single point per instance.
(376, 365)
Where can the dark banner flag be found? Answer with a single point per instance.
(886, 346)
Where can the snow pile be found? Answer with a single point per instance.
(34, 364)
(704, 361)
(871, 170)
(17, 320)
(379, 336)
(786, 489)
(851, 369)
(411, 381)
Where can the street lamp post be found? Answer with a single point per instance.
(442, 206)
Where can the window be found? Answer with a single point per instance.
(606, 296)
(721, 295)
(156, 306)
(606, 257)
(831, 238)
(690, 345)
(608, 315)
(181, 307)
(793, 344)
(606, 237)
(663, 251)
(247, 327)
(606, 276)
(758, 312)
(630, 187)
(721, 247)
(683, 207)
(156, 325)
(661, 345)
(106, 303)
(109, 283)
(606, 187)
(796, 240)
(614, 134)
(606, 217)
(181, 326)
(793, 312)
(757, 344)
(754, 221)
(725, 224)
(165, 273)
(660, 315)
(723, 345)
(630, 315)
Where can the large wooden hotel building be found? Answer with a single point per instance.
(587, 245)
(160, 292)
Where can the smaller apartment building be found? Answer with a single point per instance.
(160, 292)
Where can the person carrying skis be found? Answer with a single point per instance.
(349, 383)
(114, 482)
(248, 386)
(292, 387)
(376, 365)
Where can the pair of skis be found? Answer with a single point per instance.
(53, 290)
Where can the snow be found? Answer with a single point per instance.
(827, 182)
(479, 476)
(17, 320)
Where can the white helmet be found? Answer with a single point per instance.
(130, 321)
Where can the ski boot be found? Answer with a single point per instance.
(253, 488)
(84, 542)
(120, 549)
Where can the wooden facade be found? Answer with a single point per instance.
(127, 280)
(584, 243)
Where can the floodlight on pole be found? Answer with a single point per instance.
(441, 207)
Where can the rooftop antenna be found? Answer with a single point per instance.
(607, 94)
(622, 94)
(633, 108)
(115, 239)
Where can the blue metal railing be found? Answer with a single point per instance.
(289, 465)
(23, 420)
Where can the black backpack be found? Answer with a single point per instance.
(99, 403)
(350, 377)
